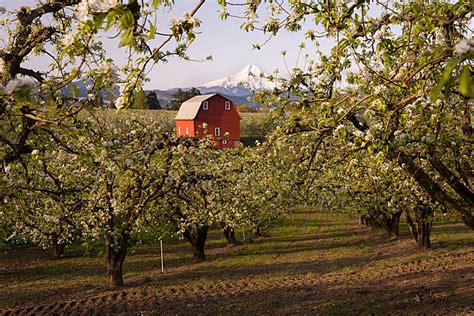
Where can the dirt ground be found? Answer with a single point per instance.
(310, 263)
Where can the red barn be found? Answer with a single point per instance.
(210, 114)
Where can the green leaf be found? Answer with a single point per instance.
(191, 36)
(152, 32)
(99, 19)
(466, 83)
(127, 38)
(448, 69)
(127, 20)
(110, 19)
(74, 90)
(64, 52)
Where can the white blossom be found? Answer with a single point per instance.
(338, 128)
(120, 102)
(86, 7)
(464, 47)
(195, 22)
(68, 39)
(381, 33)
(379, 89)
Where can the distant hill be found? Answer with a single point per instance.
(165, 96)
(82, 90)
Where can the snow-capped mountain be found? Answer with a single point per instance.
(238, 87)
(249, 79)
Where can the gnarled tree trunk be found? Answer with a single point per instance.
(197, 237)
(464, 210)
(424, 224)
(115, 256)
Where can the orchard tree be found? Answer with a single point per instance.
(264, 186)
(399, 73)
(133, 164)
(69, 33)
(47, 195)
(194, 205)
(378, 191)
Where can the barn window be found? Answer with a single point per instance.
(224, 142)
(227, 105)
(217, 131)
(179, 131)
(187, 131)
(205, 105)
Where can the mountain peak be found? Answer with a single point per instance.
(251, 77)
(251, 68)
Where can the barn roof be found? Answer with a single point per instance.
(190, 108)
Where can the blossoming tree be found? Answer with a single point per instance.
(47, 193)
(397, 81)
(70, 32)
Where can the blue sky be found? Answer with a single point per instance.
(230, 47)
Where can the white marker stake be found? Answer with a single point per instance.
(162, 262)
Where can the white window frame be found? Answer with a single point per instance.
(187, 130)
(227, 105)
(224, 142)
(179, 130)
(217, 131)
(205, 105)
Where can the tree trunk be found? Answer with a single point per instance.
(391, 227)
(256, 231)
(463, 191)
(197, 237)
(115, 256)
(373, 222)
(424, 225)
(424, 231)
(464, 210)
(413, 228)
(391, 224)
(229, 234)
(58, 248)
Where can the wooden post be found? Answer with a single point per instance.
(162, 261)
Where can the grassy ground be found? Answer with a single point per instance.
(310, 263)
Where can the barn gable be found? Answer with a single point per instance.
(190, 108)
